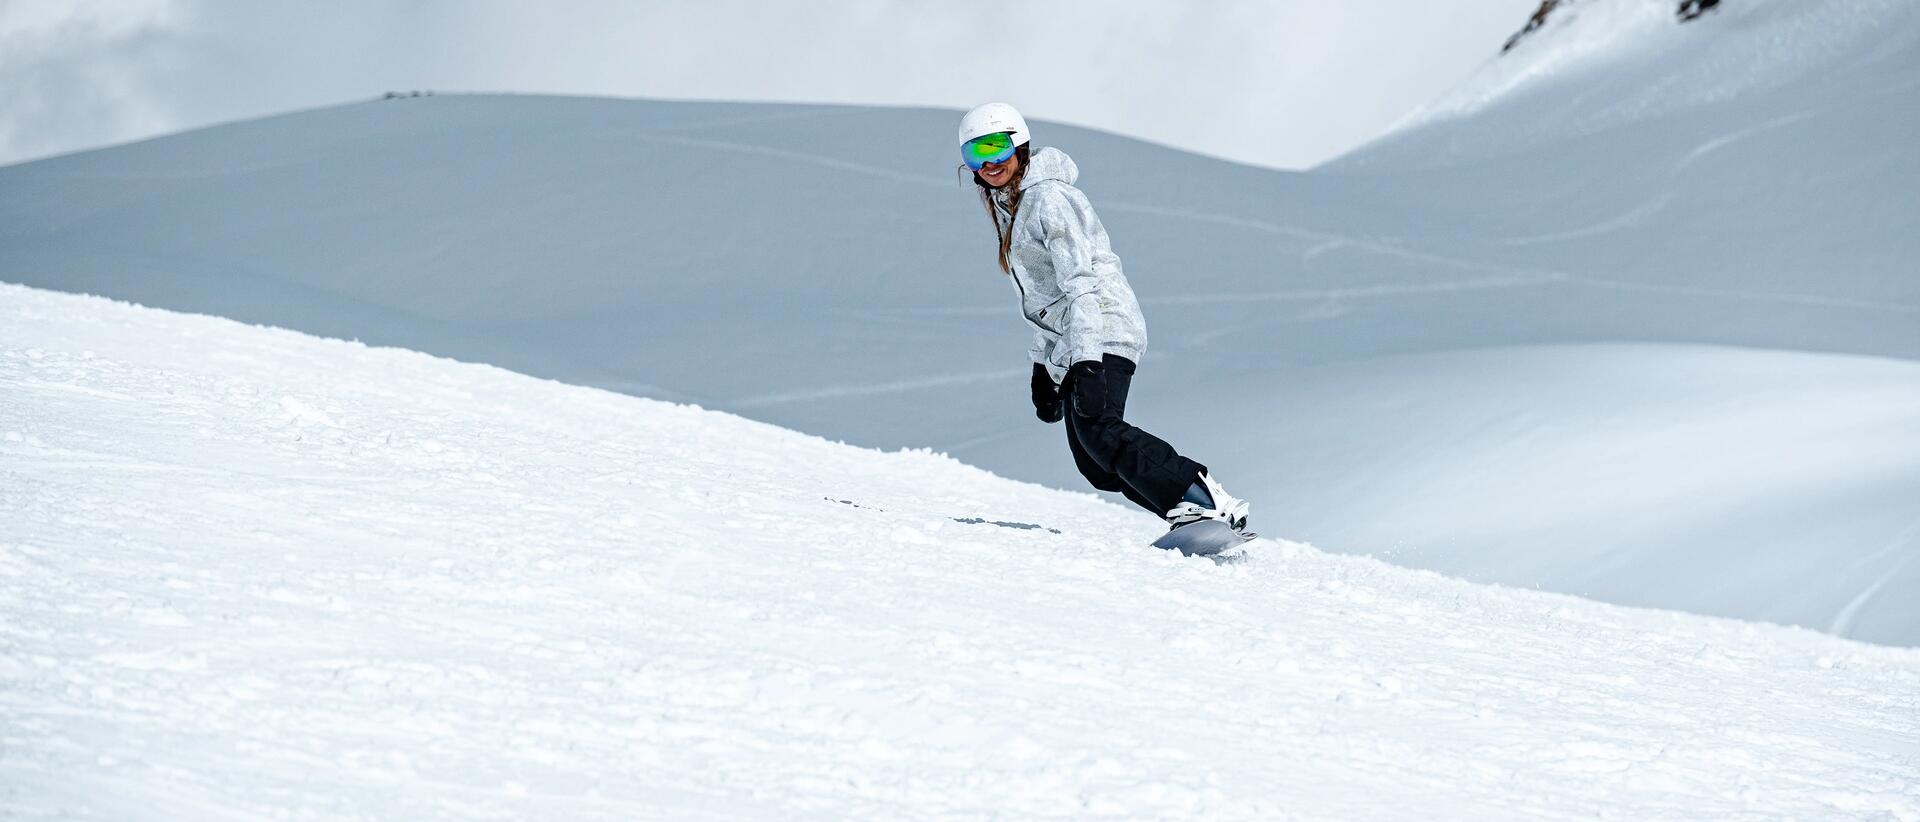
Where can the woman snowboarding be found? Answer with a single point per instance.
(1088, 331)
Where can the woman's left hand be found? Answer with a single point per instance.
(1047, 404)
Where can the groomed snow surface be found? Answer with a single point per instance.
(250, 574)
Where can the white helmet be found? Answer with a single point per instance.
(993, 118)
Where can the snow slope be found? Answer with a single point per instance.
(1632, 315)
(254, 574)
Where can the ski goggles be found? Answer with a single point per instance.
(991, 148)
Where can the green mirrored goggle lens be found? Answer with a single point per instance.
(992, 148)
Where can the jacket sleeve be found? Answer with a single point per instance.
(1066, 216)
(1041, 348)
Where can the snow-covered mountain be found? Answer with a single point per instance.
(1632, 315)
(252, 574)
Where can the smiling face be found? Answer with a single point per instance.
(1001, 173)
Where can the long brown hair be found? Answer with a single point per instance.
(1003, 223)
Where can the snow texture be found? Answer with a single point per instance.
(1632, 315)
(251, 574)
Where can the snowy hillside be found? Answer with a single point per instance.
(1631, 316)
(252, 574)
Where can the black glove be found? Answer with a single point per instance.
(1089, 382)
(1046, 396)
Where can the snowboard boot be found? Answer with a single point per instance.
(1207, 500)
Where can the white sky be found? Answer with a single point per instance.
(1285, 83)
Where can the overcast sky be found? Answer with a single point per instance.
(1285, 83)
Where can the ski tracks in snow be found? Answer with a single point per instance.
(1491, 275)
(1850, 613)
(871, 389)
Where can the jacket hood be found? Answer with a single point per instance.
(1049, 164)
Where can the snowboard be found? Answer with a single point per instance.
(1203, 538)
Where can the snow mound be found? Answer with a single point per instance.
(254, 574)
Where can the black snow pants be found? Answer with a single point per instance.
(1115, 455)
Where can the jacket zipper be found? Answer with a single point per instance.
(1022, 288)
(1029, 317)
